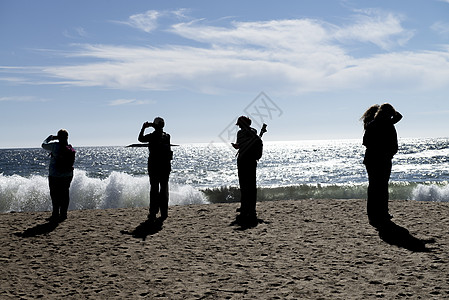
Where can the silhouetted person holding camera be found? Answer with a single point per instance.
(159, 166)
(60, 173)
(381, 142)
(246, 165)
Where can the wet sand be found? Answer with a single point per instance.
(304, 249)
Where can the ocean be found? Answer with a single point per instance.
(115, 177)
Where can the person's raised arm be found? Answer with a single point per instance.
(397, 117)
(46, 143)
(141, 137)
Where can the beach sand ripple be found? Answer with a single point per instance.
(304, 249)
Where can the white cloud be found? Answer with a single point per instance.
(372, 26)
(119, 102)
(146, 21)
(149, 21)
(427, 70)
(182, 13)
(291, 56)
(441, 27)
(75, 33)
(285, 34)
(20, 99)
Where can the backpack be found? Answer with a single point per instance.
(256, 147)
(253, 147)
(65, 159)
(258, 142)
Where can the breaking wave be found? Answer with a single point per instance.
(431, 192)
(397, 191)
(118, 190)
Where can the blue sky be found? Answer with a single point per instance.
(308, 69)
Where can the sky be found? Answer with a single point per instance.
(308, 69)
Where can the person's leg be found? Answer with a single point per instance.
(374, 188)
(248, 190)
(377, 202)
(252, 189)
(154, 196)
(54, 194)
(65, 196)
(164, 196)
(384, 195)
(243, 182)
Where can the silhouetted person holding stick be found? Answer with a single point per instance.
(249, 146)
(159, 166)
(381, 142)
(60, 173)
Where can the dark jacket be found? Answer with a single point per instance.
(160, 156)
(245, 138)
(54, 148)
(380, 140)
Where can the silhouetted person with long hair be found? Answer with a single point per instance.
(246, 165)
(60, 173)
(381, 142)
(369, 114)
(159, 166)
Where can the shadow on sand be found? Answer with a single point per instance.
(244, 225)
(39, 229)
(394, 234)
(146, 228)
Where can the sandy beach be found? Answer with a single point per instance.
(304, 249)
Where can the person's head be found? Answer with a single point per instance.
(369, 114)
(63, 135)
(386, 111)
(158, 123)
(243, 121)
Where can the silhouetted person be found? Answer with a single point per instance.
(246, 165)
(159, 166)
(380, 140)
(60, 173)
(369, 114)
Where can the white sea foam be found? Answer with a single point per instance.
(24, 194)
(431, 192)
(118, 190)
(110, 177)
